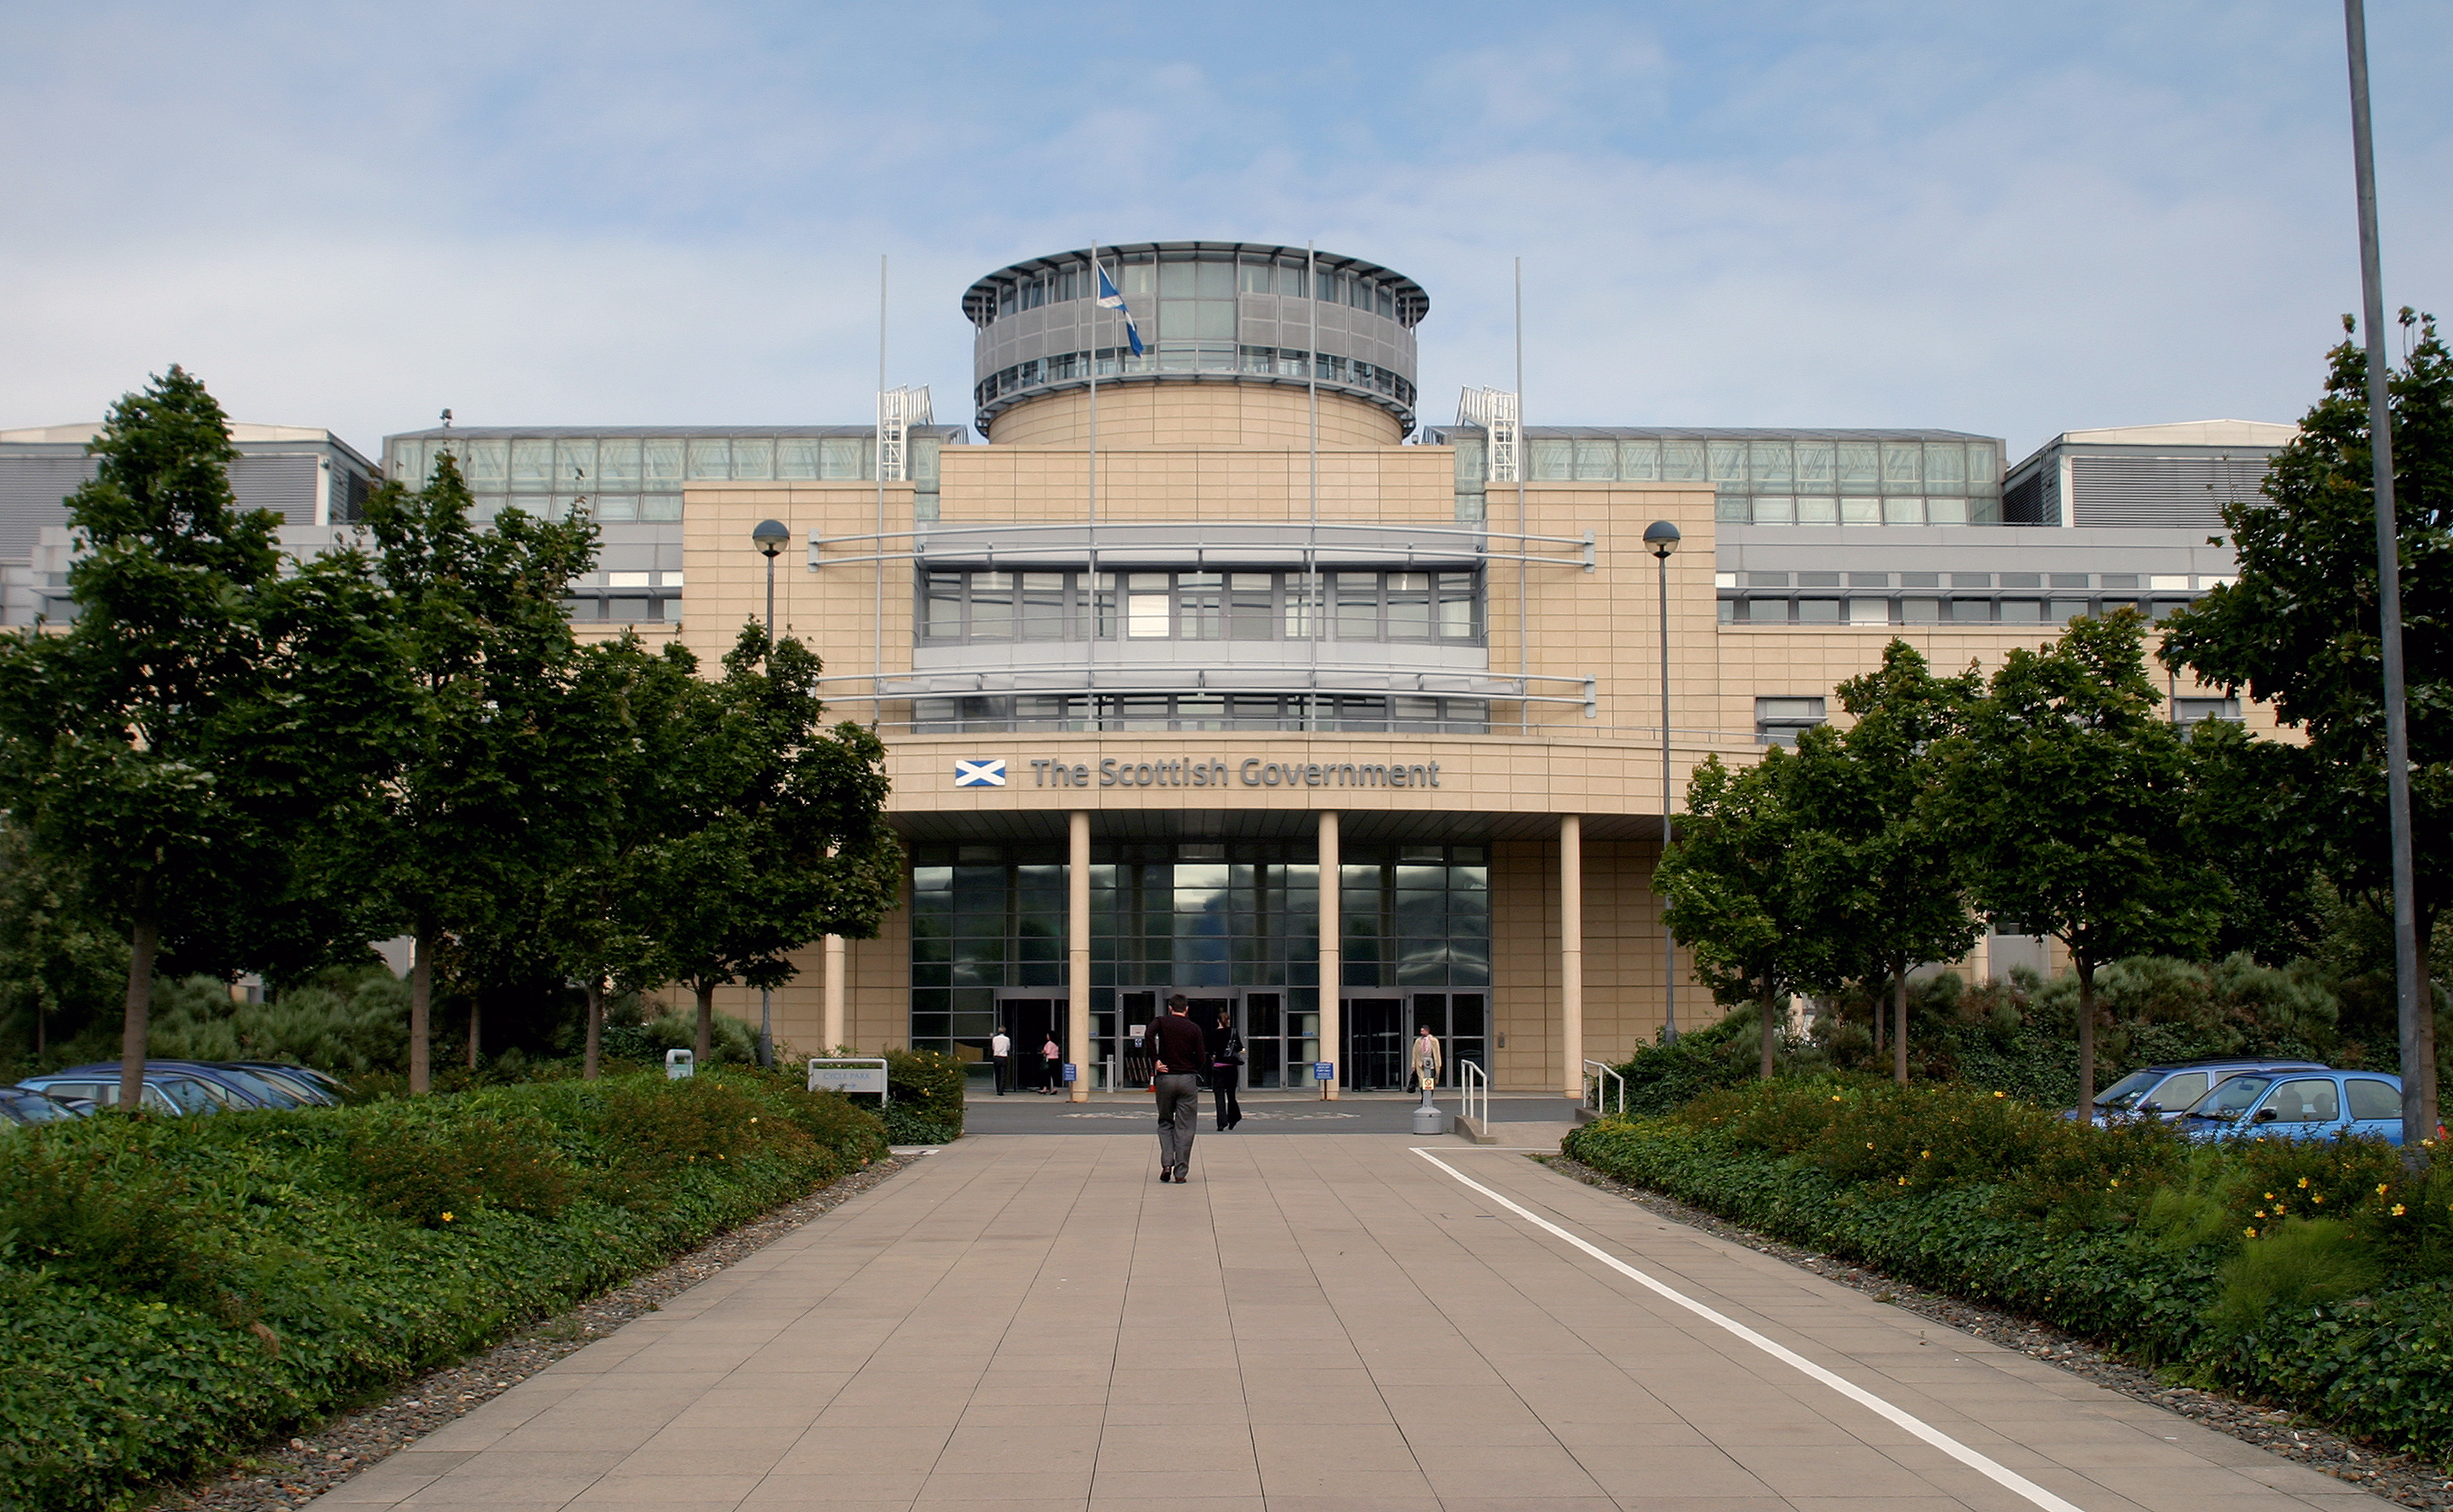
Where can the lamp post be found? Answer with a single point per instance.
(1661, 539)
(768, 537)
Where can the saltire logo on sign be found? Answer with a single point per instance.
(988, 773)
(1110, 299)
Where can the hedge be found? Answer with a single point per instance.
(2312, 1275)
(173, 1291)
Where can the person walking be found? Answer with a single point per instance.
(1178, 1055)
(1427, 1059)
(1053, 1054)
(1001, 1059)
(1226, 1069)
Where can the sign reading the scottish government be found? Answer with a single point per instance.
(1252, 771)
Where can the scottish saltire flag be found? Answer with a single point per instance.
(1110, 299)
(988, 773)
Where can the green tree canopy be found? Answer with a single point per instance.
(783, 842)
(487, 751)
(1881, 881)
(171, 746)
(1739, 892)
(2066, 804)
(2299, 629)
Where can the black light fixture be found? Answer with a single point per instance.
(1660, 538)
(770, 537)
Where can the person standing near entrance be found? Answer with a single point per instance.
(1053, 1054)
(1427, 1060)
(1179, 1054)
(1226, 1068)
(1001, 1059)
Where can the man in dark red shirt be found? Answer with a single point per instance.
(1179, 1056)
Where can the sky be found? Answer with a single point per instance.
(2007, 219)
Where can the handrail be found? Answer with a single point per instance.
(1595, 1088)
(945, 532)
(1471, 1076)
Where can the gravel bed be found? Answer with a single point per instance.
(2398, 1479)
(282, 1476)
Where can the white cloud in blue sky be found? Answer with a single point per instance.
(2006, 219)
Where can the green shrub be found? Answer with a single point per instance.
(2314, 1274)
(2293, 1266)
(927, 1089)
(174, 1290)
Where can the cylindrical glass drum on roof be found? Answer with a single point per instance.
(1206, 312)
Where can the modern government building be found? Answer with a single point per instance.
(1208, 662)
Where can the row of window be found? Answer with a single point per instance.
(1218, 276)
(1779, 721)
(1899, 509)
(1342, 713)
(959, 607)
(1206, 351)
(635, 464)
(1788, 467)
(1873, 610)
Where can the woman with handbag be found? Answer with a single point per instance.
(1226, 1068)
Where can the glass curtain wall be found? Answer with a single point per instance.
(1238, 919)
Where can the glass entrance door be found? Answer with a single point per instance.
(1375, 1037)
(1462, 1021)
(1031, 1021)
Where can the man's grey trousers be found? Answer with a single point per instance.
(1179, 1106)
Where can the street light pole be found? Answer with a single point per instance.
(2417, 1016)
(1662, 537)
(768, 537)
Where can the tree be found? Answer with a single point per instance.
(780, 841)
(2065, 803)
(2299, 630)
(1880, 868)
(1737, 892)
(165, 748)
(477, 800)
(2258, 814)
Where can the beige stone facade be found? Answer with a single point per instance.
(1219, 475)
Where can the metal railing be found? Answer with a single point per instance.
(1597, 1079)
(1348, 541)
(1474, 1095)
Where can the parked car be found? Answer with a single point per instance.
(166, 1093)
(2301, 1106)
(20, 1104)
(227, 1089)
(2169, 1092)
(302, 1081)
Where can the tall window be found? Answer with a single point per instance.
(961, 605)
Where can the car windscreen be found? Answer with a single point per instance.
(2123, 1095)
(192, 1096)
(297, 1086)
(33, 1107)
(266, 1090)
(2232, 1099)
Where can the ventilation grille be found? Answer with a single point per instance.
(2023, 503)
(2185, 492)
(34, 493)
(284, 485)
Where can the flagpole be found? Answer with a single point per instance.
(1312, 552)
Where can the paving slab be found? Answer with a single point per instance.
(1309, 1325)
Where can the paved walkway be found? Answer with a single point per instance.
(1312, 1324)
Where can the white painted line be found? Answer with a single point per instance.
(1999, 1474)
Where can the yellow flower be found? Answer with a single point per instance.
(1903, 1181)
(2260, 1212)
(2397, 1209)
(447, 1217)
(753, 1118)
(2116, 1181)
(2001, 1094)
(1869, 1145)
(2252, 1233)
(2316, 1197)
(1926, 1156)
(1835, 1097)
(2381, 1188)
(2303, 1184)
(2269, 1197)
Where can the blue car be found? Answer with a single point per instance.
(175, 1095)
(2171, 1089)
(2300, 1106)
(20, 1104)
(231, 1086)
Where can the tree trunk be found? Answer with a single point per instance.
(1900, 1031)
(1768, 1033)
(2086, 1038)
(144, 939)
(472, 1033)
(1878, 1023)
(706, 1022)
(421, 1010)
(2429, 1116)
(595, 1029)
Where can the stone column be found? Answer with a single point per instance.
(1077, 951)
(1332, 942)
(1571, 955)
(831, 1023)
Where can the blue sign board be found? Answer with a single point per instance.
(1070, 1073)
(1322, 1070)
